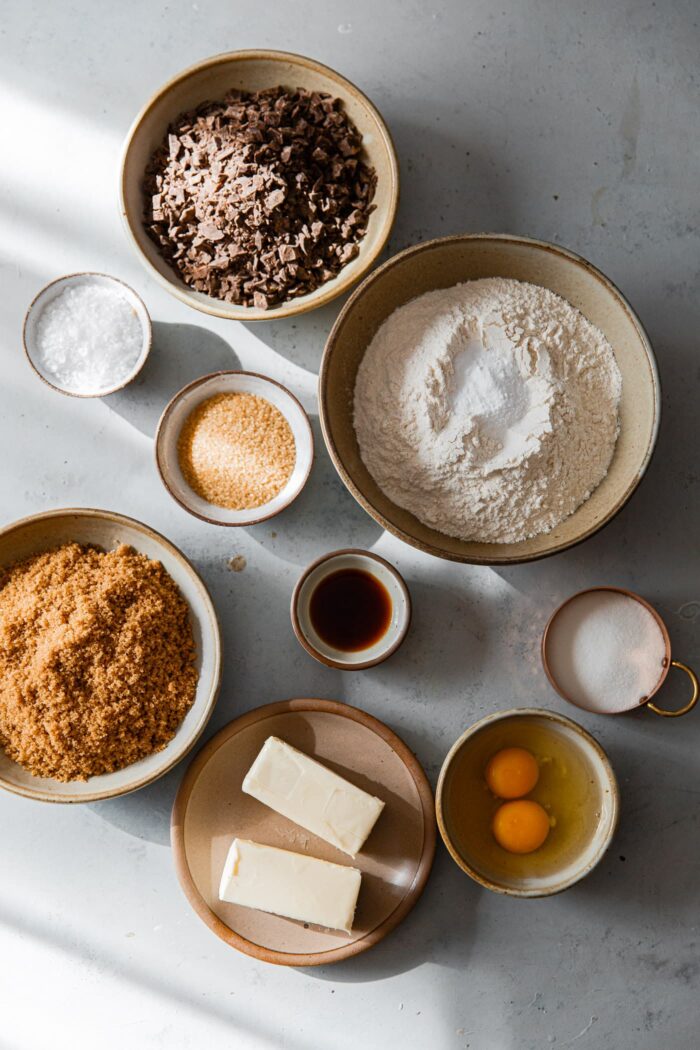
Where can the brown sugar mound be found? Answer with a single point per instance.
(236, 451)
(97, 661)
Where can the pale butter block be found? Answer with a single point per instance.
(290, 884)
(303, 790)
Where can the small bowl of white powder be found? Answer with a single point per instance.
(608, 651)
(87, 334)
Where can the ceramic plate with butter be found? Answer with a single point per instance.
(211, 809)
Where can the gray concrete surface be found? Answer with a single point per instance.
(574, 122)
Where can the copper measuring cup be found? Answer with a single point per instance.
(667, 662)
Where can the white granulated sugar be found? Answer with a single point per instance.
(489, 409)
(606, 651)
(88, 338)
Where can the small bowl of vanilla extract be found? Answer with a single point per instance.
(351, 609)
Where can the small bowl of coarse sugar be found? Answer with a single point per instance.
(87, 334)
(234, 448)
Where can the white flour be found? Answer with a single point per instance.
(488, 410)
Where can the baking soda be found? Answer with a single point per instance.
(88, 339)
(606, 651)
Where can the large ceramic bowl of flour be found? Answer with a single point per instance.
(489, 399)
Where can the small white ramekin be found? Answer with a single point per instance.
(400, 609)
(54, 289)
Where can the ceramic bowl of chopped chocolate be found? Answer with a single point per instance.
(258, 184)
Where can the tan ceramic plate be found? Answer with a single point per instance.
(107, 530)
(445, 262)
(210, 809)
(253, 71)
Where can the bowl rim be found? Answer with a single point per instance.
(146, 324)
(324, 400)
(40, 795)
(343, 665)
(290, 307)
(569, 723)
(163, 422)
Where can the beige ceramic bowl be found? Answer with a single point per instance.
(446, 262)
(253, 71)
(107, 530)
(173, 420)
(586, 847)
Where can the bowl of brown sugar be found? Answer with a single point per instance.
(234, 448)
(110, 655)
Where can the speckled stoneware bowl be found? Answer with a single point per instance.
(368, 562)
(474, 747)
(73, 280)
(107, 530)
(253, 71)
(446, 262)
(187, 399)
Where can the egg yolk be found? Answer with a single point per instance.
(512, 772)
(520, 827)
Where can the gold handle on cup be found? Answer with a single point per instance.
(691, 703)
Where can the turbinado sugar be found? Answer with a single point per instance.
(606, 651)
(236, 450)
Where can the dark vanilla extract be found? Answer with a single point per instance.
(350, 609)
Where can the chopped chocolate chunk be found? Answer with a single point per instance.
(274, 199)
(244, 190)
(206, 229)
(287, 253)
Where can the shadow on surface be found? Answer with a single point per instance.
(439, 929)
(647, 867)
(145, 814)
(147, 979)
(180, 354)
(301, 339)
(447, 628)
(323, 518)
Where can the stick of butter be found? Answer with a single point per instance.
(304, 791)
(290, 884)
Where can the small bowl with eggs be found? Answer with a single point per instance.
(527, 802)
